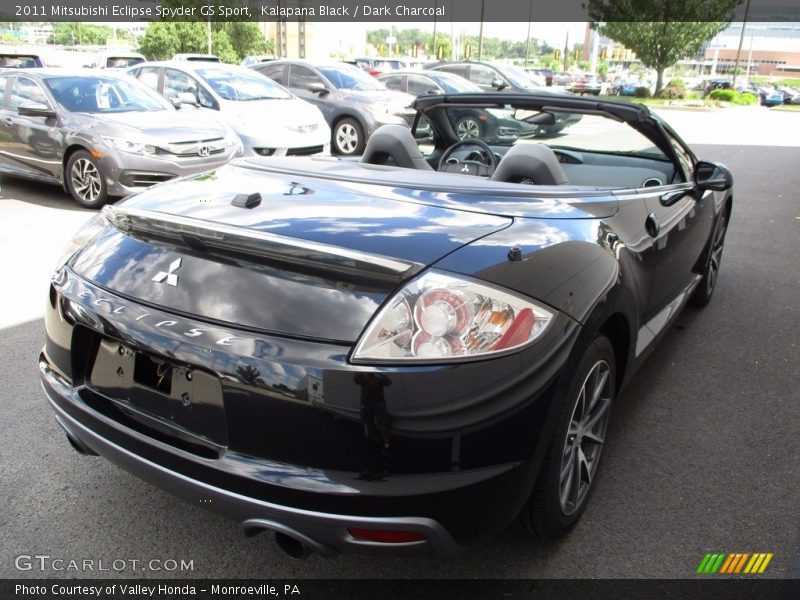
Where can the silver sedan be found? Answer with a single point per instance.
(102, 135)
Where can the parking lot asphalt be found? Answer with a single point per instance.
(703, 452)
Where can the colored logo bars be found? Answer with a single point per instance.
(734, 562)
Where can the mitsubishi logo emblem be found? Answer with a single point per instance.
(169, 275)
(203, 151)
(465, 169)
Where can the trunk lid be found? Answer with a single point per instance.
(312, 260)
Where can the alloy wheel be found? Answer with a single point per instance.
(346, 138)
(86, 180)
(716, 254)
(467, 129)
(585, 437)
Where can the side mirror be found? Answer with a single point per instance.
(187, 98)
(499, 84)
(542, 118)
(712, 176)
(318, 88)
(36, 110)
(176, 102)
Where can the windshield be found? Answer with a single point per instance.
(508, 125)
(518, 77)
(453, 84)
(122, 62)
(97, 94)
(350, 78)
(23, 61)
(242, 86)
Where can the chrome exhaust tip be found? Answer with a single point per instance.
(294, 548)
(295, 544)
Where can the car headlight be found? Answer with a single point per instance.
(132, 147)
(90, 230)
(304, 128)
(441, 318)
(384, 114)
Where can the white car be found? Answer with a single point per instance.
(270, 120)
(117, 59)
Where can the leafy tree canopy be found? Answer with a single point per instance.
(661, 32)
(231, 41)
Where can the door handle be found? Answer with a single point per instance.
(671, 198)
(651, 225)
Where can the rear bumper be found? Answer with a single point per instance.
(325, 533)
(452, 455)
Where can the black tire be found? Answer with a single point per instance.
(348, 137)
(85, 180)
(468, 128)
(705, 289)
(556, 503)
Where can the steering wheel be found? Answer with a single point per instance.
(482, 168)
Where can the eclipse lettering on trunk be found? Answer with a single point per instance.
(172, 324)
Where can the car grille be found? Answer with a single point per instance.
(306, 151)
(195, 148)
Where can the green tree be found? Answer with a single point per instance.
(162, 39)
(661, 32)
(246, 38)
(231, 41)
(73, 33)
(221, 46)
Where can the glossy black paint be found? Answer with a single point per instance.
(305, 427)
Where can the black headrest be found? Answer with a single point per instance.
(530, 163)
(394, 145)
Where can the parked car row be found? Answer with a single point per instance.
(353, 102)
(105, 132)
(767, 95)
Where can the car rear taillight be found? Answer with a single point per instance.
(440, 317)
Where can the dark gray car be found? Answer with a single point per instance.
(353, 103)
(101, 134)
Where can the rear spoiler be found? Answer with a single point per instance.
(203, 235)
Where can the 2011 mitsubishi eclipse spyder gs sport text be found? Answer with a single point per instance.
(397, 354)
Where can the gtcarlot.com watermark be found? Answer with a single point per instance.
(47, 563)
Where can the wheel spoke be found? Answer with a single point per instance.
(600, 411)
(580, 408)
(601, 380)
(583, 468)
(565, 471)
(593, 437)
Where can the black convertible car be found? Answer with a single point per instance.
(393, 355)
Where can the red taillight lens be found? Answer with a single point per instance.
(386, 536)
(442, 317)
(519, 332)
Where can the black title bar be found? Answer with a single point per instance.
(371, 10)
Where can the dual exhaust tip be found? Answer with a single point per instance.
(294, 544)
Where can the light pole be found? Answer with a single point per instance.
(528, 41)
(435, 51)
(741, 39)
(480, 33)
